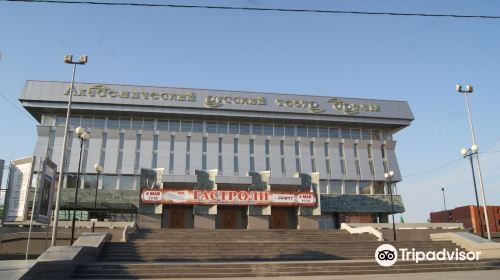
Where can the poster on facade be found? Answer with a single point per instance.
(226, 197)
(46, 189)
(19, 182)
(151, 178)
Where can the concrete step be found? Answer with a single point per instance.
(100, 271)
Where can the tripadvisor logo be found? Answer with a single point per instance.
(387, 255)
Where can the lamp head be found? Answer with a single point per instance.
(458, 88)
(85, 136)
(391, 173)
(98, 167)
(463, 151)
(474, 148)
(79, 131)
(469, 88)
(83, 59)
(68, 58)
(386, 175)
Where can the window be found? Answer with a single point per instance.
(356, 150)
(74, 121)
(323, 132)
(234, 128)
(335, 187)
(113, 123)
(87, 122)
(341, 149)
(312, 131)
(126, 183)
(137, 124)
(235, 141)
(188, 144)
(222, 127)
(211, 127)
(244, 129)
(327, 149)
(323, 186)
(155, 142)
(103, 148)
(283, 168)
(372, 168)
(60, 120)
(346, 133)
(186, 126)
(289, 131)
(382, 149)
(311, 148)
(125, 123)
(99, 122)
(174, 125)
(220, 146)
(301, 131)
(297, 148)
(109, 182)
(219, 165)
(378, 188)
(282, 147)
(71, 181)
(268, 163)
(350, 187)
(370, 151)
(342, 167)
(197, 127)
(162, 125)
(137, 151)
(297, 165)
(257, 129)
(328, 167)
(252, 163)
(365, 134)
(355, 133)
(148, 124)
(333, 132)
(267, 144)
(236, 166)
(171, 162)
(252, 146)
(376, 134)
(365, 187)
(279, 130)
(268, 130)
(89, 181)
(203, 145)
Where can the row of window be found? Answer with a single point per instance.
(222, 127)
(353, 187)
(236, 144)
(127, 182)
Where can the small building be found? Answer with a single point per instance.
(468, 215)
(224, 159)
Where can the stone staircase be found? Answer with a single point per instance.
(244, 253)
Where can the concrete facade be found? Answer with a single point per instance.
(205, 139)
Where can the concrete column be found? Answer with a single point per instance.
(308, 216)
(258, 216)
(204, 215)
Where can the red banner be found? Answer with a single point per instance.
(225, 197)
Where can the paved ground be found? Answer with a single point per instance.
(456, 275)
(14, 269)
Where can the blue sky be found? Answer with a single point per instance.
(383, 57)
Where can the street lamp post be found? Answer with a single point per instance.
(468, 90)
(98, 169)
(388, 176)
(83, 136)
(67, 59)
(471, 153)
(445, 211)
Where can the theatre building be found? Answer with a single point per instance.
(198, 158)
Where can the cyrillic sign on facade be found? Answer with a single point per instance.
(226, 197)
